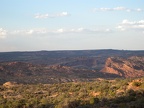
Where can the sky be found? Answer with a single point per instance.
(34, 25)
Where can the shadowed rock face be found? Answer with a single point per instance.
(131, 67)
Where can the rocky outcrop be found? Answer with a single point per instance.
(131, 67)
(9, 84)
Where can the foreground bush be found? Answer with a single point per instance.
(96, 94)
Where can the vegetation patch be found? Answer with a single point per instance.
(95, 94)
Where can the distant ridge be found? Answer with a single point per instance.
(70, 65)
(61, 50)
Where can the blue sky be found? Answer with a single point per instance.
(31, 25)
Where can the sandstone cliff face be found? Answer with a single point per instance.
(131, 67)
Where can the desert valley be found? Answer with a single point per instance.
(72, 79)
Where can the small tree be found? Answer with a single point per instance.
(93, 101)
(137, 84)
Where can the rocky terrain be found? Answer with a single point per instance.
(131, 67)
(70, 66)
(29, 73)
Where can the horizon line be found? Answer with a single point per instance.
(69, 50)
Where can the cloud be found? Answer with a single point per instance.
(29, 32)
(63, 14)
(3, 33)
(139, 10)
(131, 25)
(47, 32)
(120, 8)
(84, 30)
(36, 31)
(44, 16)
(81, 30)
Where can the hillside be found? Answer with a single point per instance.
(130, 67)
(70, 66)
(29, 73)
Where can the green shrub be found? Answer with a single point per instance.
(73, 104)
(93, 101)
(137, 84)
(131, 92)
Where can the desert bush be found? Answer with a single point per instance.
(72, 104)
(131, 92)
(73, 95)
(139, 103)
(136, 83)
(93, 101)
